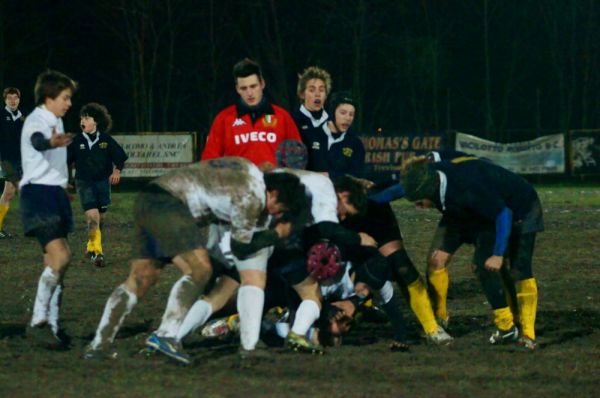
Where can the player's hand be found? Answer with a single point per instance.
(494, 263)
(115, 177)
(367, 240)
(283, 229)
(60, 140)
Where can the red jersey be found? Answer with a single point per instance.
(235, 135)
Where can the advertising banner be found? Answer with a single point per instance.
(585, 152)
(386, 151)
(543, 155)
(153, 154)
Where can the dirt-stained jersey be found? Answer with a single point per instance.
(228, 189)
(322, 192)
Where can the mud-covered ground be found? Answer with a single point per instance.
(567, 363)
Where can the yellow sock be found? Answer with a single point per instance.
(439, 280)
(90, 246)
(3, 211)
(98, 242)
(510, 293)
(92, 236)
(421, 306)
(527, 296)
(503, 318)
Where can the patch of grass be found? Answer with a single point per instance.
(567, 363)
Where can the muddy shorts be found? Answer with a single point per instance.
(164, 226)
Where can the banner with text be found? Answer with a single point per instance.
(585, 151)
(543, 155)
(151, 155)
(386, 151)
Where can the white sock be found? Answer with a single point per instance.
(282, 329)
(250, 302)
(306, 314)
(46, 286)
(118, 306)
(54, 309)
(183, 295)
(196, 317)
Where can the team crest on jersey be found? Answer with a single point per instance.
(81, 146)
(269, 121)
(316, 145)
(347, 152)
(103, 145)
(238, 122)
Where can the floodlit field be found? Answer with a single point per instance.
(567, 363)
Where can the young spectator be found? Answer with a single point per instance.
(314, 85)
(11, 124)
(98, 161)
(336, 150)
(253, 128)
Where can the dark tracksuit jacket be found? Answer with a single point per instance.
(96, 163)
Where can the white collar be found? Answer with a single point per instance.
(14, 117)
(315, 122)
(330, 139)
(443, 188)
(89, 140)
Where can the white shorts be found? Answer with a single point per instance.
(219, 246)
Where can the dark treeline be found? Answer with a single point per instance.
(487, 66)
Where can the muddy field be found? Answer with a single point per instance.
(567, 363)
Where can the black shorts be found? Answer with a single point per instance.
(94, 194)
(165, 226)
(46, 212)
(379, 222)
(290, 264)
(12, 170)
(449, 237)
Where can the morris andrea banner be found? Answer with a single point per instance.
(152, 154)
(386, 151)
(543, 155)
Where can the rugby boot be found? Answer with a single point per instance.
(98, 260)
(169, 347)
(298, 343)
(222, 327)
(439, 336)
(99, 354)
(504, 336)
(526, 343)
(4, 234)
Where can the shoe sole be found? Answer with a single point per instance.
(170, 354)
(305, 350)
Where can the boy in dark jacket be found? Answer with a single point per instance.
(98, 161)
